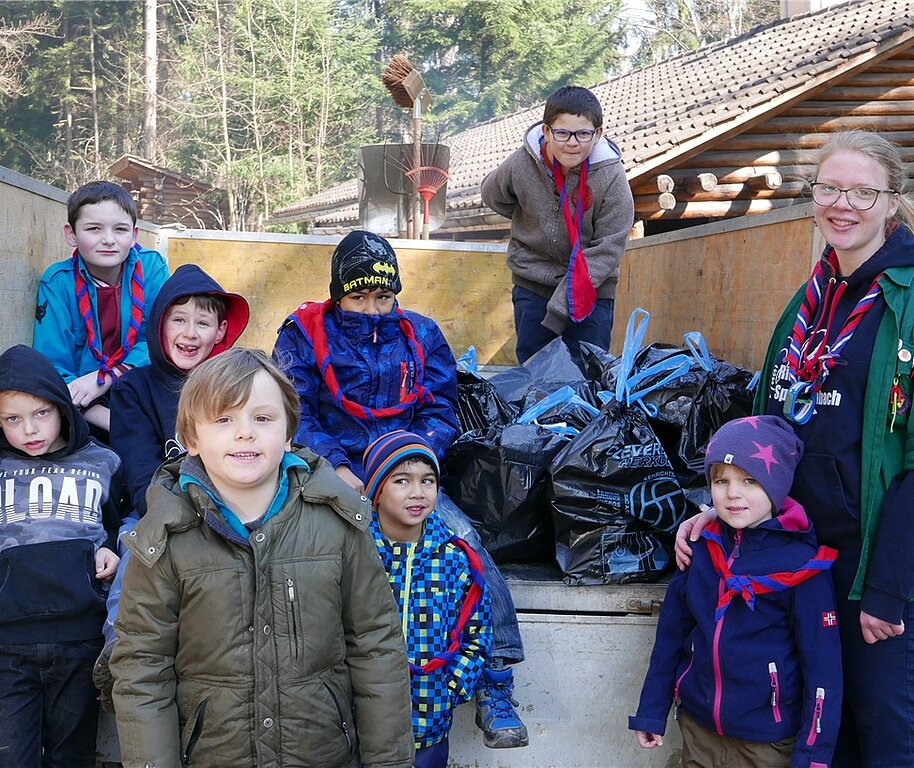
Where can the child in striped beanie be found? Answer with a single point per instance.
(437, 582)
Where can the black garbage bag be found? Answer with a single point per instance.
(570, 407)
(614, 494)
(479, 404)
(595, 361)
(615, 500)
(724, 394)
(499, 478)
(547, 370)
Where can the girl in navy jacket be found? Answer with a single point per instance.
(747, 644)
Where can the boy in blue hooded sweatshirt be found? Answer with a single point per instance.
(747, 644)
(61, 497)
(438, 584)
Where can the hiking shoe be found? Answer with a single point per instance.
(103, 679)
(501, 726)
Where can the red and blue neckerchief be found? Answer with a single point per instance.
(312, 316)
(470, 603)
(107, 363)
(810, 357)
(748, 586)
(582, 296)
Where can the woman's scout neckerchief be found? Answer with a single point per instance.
(582, 296)
(107, 363)
(311, 319)
(810, 357)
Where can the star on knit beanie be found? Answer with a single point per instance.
(363, 261)
(386, 453)
(765, 447)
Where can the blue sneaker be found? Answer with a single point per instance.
(501, 726)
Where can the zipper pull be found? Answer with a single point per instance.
(773, 675)
(290, 587)
(737, 538)
(820, 705)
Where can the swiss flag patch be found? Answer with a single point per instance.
(829, 619)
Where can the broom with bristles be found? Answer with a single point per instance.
(407, 88)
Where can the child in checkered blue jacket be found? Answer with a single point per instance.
(437, 583)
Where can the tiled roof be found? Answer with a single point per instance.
(664, 113)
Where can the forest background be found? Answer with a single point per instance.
(270, 100)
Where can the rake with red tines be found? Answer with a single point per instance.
(428, 180)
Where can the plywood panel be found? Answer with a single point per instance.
(468, 293)
(730, 285)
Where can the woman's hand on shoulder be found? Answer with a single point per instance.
(875, 629)
(689, 531)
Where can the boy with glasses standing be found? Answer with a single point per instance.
(571, 210)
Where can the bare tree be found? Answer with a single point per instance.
(16, 41)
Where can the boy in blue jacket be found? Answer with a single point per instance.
(747, 644)
(90, 317)
(61, 508)
(363, 367)
(437, 582)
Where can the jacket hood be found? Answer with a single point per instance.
(605, 151)
(24, 369)
(190, 280)
(792, 521)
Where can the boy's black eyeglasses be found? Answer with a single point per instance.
(858, 198)
(584, 136)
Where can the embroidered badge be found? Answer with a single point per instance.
(829, 619)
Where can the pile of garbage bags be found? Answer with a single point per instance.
(594, 467)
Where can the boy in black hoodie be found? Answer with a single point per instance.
(194, 320)
(61, 493)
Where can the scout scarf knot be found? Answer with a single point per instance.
(582, 296)
(470, 602)
(311, 319)
(810, 356)
(748, 586)
(107, 363)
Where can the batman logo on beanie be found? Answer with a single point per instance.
(363, 261)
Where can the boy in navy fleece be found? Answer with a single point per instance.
(747, 645)
(60, 511)
(437, 582)
(194, 320)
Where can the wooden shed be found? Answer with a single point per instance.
(166, 197)
(727, 130)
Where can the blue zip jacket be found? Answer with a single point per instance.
(430, 580)
(144, 401)
(763, 674)
(374, 364)
(60, 331)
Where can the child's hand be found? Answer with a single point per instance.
(348, 476)
(86, 389)
(649, 740)
(688, 531)
(105, 563)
